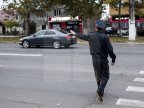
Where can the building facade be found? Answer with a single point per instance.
(57, 19)
(124, 17)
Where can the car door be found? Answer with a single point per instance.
(49, 37)
(38, 38)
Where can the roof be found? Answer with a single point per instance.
(4, 16)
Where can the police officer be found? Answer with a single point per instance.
(100, 48)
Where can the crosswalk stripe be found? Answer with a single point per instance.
(139, 79)
(141, 72)
(135, 89)
(128, 102)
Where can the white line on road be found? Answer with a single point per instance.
(141, 72)
(1, 66)
(135, 89)
(139, 79)
(31, 55)
(128, 102)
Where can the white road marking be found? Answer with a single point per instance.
(139, 79)
(131, 103)
(1, 66)
(141, 72)
(135, 89)
(31, 55)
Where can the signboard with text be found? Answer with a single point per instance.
(123, 18)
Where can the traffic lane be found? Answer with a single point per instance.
(62, 64)
(42, 99)
(32, 79)
(76, 54)
(15, 48)
(87, 90)
(51, 67)
(42, 87)
(67, 62)
(46, 68)
(130, 59)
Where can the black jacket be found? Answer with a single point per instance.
(99, 45)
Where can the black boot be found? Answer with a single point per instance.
(99, 96)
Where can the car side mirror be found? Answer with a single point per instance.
(34, 35)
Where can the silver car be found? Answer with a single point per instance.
(49, 37)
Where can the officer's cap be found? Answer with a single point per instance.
(99, 23)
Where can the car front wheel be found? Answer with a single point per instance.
(56, 44)
(26, 44)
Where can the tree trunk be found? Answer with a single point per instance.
(26, 28)
(11, 30)
(27, 24)
(89, 26)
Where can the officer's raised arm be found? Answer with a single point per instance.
(81, 36)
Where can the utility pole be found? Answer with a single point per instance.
(47, 20)
(119, 18)
(132, 28)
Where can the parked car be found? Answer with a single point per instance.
(111, 31)
(124, 31)
(140, 30)
(49, 37)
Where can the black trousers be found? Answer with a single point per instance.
(101, 69)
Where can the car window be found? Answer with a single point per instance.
(39, 34)
(63, 31)
(108, 28)
(50, 33)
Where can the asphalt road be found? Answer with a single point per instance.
(64, 78)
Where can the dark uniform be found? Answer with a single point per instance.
(100, 48)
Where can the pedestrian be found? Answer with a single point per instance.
(100, 48)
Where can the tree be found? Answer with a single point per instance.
(27, 7)
(139, 6)
(32, 26)
(84, 8)
(24, 8)
(89, 10)
(10, 24)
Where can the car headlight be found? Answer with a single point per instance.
(21, 39)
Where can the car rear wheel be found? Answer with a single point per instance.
(56, 44)
(26, 44)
